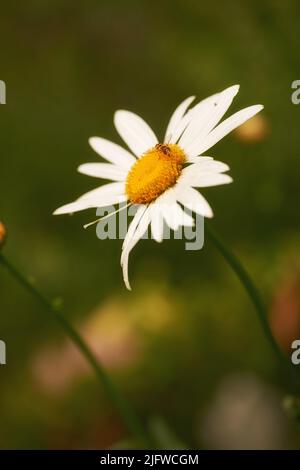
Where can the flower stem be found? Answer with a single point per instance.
(122, 405)
(254, 295)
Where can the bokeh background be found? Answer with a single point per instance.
(185, 346)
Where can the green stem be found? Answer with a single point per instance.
(254, 295)
(122, 405)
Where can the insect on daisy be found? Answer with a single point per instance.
(161, 177)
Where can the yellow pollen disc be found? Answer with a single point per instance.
(155, 172)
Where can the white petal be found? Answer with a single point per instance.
(202, 144)
(180, 127)
(171, 211)
(82, 204)
(135, 232)
(135, 132)
(104, 191)
(133, 226)
(169, 216)
(175, 216)
(72, 207)
(167, 198)
(205, 179)
(96, 198)
(157, 223)
(192, 173)
(208, 115)
(104, 170)
(194, 201)
(112, 152)
(199, 158)
(201, 109)
(214, 165)
(176, 118)
(183, 218)
(198, 117)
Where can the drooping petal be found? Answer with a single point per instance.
(157, 223)
(112, 152)
(136, 230)
(201, 144)
(176, 217)
(208, 115)
(194, 201)
(135, 132)
(176, 118)
(132, 227)
(172, 212)
(104, 170)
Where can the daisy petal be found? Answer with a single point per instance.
(72, 207)
(82, 204)
(175, 216)
(132, 227)
(201, 144)
(215, 165)
(192, 173)
(171, 211)
(167, 198)
(208, 114)
(224, 101)
(95, 198)
(176, 118)
(198, 117)
(135, 132)
(104, 170)
(157, 223)
(170, 216)
(206, 179)
(199, 158)
(194, 201)
(183, 219)
(104, 191)
(112, 152)
(135, 232)
(201, 111)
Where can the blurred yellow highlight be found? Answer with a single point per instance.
(254, 130)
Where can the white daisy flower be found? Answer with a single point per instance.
(162, 177)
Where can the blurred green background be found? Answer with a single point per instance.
(185, 346)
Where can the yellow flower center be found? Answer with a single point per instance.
(155, 172)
